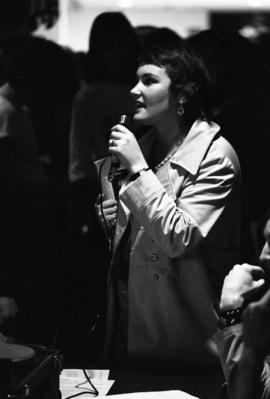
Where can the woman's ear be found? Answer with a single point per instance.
(188, 91)
(181, 100)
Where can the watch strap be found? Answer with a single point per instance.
(231, 317)
(137, 174)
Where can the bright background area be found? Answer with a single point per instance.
(183, 16)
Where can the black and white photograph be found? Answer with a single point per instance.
(134, 199)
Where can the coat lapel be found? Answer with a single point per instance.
(194, 147)
(188, 157)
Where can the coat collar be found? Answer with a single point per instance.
(193, 149)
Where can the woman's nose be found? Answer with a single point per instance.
(135, 91)
(265, 255)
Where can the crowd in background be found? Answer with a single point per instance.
(56, 110)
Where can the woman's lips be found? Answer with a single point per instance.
(139, 105)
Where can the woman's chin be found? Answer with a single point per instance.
(140, 119)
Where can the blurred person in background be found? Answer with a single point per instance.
(113, 52)
(37, 84)
(149, 35)
(111, 71)
(239, 100)
(243, 338)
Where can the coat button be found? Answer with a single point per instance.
(155, 276)
(154, 257)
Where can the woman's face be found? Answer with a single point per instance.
(265, 254)
(154, 100)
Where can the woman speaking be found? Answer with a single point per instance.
(175, 222)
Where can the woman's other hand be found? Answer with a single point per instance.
(107, 212)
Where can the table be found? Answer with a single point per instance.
(205, 385)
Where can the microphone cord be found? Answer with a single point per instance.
(125, 121)
(107, 229)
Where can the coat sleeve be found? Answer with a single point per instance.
(229, 342)
(178, 224)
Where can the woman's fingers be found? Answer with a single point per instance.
(110, 207)
(111, 211)
(256, 271)
(109, 203)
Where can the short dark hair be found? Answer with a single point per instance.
(188, 74)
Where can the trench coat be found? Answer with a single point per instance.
(185, 236)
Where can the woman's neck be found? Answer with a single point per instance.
(167, 139)
(170, 133)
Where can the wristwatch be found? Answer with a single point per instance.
(137, 174)
(230, 317)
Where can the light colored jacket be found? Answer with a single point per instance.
(185, 232)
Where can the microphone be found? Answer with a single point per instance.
(125, 121)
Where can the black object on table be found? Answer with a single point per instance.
(35, 378)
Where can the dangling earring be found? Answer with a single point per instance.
(180, 110)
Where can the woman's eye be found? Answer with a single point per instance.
(148, 81)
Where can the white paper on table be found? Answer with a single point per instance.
(173, 394)
(70, 378)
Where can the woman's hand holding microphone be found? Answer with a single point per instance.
(124, 145)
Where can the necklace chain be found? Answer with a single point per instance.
(170, 155)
